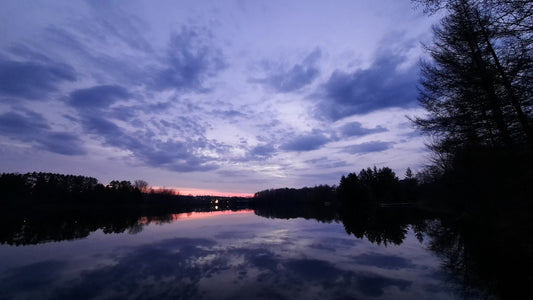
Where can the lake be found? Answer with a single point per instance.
(219, 255)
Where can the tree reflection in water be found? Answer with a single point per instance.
(480, 256)
(383, 225)
(484, 257)
(36, 226)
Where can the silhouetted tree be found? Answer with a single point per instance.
(349, 187)
(319, 202)
(477, 90)
(408, 174)
(370, 186)
(141, 185)
(408, 188)
(477, 87)
(50, 188)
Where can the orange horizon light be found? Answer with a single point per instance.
(203, 192)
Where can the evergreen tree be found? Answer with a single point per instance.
(408, 173)
(370, 186)
(477, 85)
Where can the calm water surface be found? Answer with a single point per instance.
(223, 255)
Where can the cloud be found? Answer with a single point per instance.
(95, 54)
(383, 85)
(129, 112)
(357, 129)
(374, 285)
(176, 268)
(31, 127)
(369, 147)
(170, 154)
(116, 25)
(306, 142)
(62, 143)
(326, 163)
(170, 261)
(101, 96)
(228, 114)
(100, 126)
(313, 269)
(389, 262)
(191, 59)
(262, 151)
(284, 80)
(13, 124)
(187, 126)
(26, 52)
(156, 148)
(32, 80)
(31, 277)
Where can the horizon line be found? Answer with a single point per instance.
(203, 192)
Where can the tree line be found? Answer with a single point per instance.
(370, 185)
(48, 188)
(18, 192)
(378, 186)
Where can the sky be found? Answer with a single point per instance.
(211, 97)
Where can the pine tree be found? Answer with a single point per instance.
(477, 85)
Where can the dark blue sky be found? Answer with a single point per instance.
(232, 96)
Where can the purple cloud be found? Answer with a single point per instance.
(357, 129)
(284, 80)
(33, 128)
(364, 91)
(101, 96)
(32, 80)
(306, 142)
(190, 60)
(368, 147)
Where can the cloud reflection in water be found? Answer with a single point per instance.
(258, 259)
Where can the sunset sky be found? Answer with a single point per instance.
(224, 96)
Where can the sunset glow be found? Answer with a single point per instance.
(202, 192)
(196, 215)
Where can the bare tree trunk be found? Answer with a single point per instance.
(488, 82)
(522, 118)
